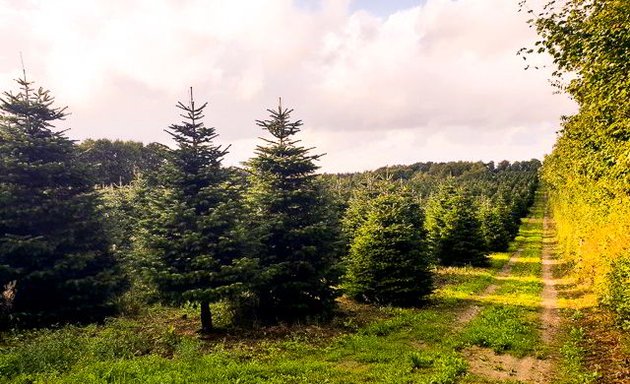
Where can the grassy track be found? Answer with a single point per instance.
(510, 321)
(364, 344)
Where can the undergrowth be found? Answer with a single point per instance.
(364, 343)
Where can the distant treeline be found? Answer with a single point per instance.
(104, 226)
(118, 162)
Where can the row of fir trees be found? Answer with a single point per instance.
(273, 239)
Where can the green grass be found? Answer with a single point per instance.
(386, 349)
(504, 329)
(366, 344)
(510, 321)
(126, 351)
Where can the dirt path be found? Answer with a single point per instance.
(486, 363)
(550, 314)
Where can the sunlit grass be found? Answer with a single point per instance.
(504, 329)
(525, 259)
(499, 259)
(366, 344)
(584, 301)
(509, 321)
(519, 300)
(520, 279)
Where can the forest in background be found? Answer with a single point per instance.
(108, 228)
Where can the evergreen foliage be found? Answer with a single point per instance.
(515, 182)
(191, 234)
(500, 195)
(496, 220)
(358, 207)
(293, 223)
(54, 252)
(455, 234)
(389, 261)
(125, 210)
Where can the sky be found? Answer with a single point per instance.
(375, 82)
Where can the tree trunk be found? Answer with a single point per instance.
(206, 317)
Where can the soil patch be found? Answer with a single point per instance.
(485, 362)
(550, 314)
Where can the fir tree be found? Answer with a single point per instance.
(295, 226)
(53, 247)
(455, 234)
(192, 234)
(389, 261)
(125, 209)
(495, 221)
(359, 204)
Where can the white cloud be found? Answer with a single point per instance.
(435, 82)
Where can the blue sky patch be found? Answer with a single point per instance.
(384, 7)
(376, 7)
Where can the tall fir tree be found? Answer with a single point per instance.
(455, 234)
(295, 225)
(388, 262)
(53, 248)
(191, 236)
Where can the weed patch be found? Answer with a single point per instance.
(504, 329)
(573, 353)
(364, 343)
